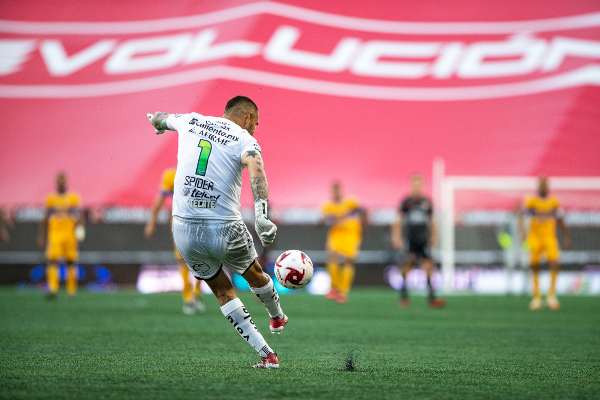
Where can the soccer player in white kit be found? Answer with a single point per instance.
(207, 224)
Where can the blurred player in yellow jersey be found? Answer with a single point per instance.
(59, 232)
(545, 214)
(191, 291)
(345, 219)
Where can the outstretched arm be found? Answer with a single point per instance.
(258, 177)
(159, 121)
(156, 206)
(265, 228)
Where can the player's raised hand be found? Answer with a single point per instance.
(156, 120)
(265, 228)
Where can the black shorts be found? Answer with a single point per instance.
(418, 250)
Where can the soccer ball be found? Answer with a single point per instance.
(293, 269)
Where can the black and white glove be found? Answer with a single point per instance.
(265, 228)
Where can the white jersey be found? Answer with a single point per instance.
(208, 181)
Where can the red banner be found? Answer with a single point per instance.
(363, 95)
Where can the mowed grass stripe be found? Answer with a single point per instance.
(128, 345)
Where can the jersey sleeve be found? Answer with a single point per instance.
(249, 143)
(50, 201)
(74, 201)
(167, 182)
(178, 122)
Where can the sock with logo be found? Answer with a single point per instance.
(242, 322)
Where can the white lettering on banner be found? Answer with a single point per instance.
(13, 54)
(306, 15)
(280, 50)
(446, 63)
(387, 62)
(60, 64)
(529, 53)
(563, 47)
(369, 63)
(203, 49)
(132, 56)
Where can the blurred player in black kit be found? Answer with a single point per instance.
(413, 233)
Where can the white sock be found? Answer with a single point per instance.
(242, 322)
(270, 298)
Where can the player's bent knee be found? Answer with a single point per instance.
(428, 266)
(221, 287)
(223, 293)
(225, 297)
(255, 275)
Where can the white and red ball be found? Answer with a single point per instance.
(293, 269)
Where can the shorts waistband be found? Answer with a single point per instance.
(204, 221)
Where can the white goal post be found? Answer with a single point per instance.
(445, 189)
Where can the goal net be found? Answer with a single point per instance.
(477, 223)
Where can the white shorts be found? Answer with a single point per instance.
(208, 245)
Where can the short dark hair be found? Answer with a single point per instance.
(239, 100)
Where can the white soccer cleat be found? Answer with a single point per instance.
(535, 304)
(270, 361)
(277, 324)
(553, 303)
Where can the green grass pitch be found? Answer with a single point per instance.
(128, 345)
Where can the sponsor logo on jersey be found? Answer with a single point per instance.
(362, 58)
(199, 183)
(202, 203)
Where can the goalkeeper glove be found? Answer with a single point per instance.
(265, 228)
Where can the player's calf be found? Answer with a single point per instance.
(267, 294)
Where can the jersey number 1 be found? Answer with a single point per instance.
(205, 149)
